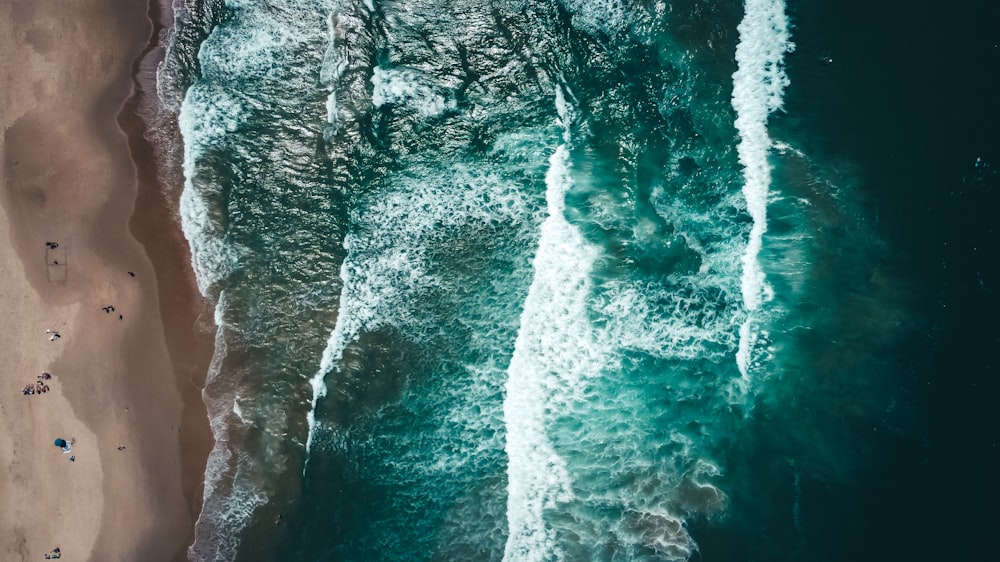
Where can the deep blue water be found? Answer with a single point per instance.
(594, 280)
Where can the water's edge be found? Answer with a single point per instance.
(153, 139)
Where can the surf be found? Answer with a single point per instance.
(553, 352)
(758, 87)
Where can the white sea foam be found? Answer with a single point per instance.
(608, 16)
(224, 509)
(346, 35)
(245, 50)
(566, 113)
(207, 115)
(410, 89)
(215, 538)
(238, 411)
(673, 320)
(545, 347)
(555, 352)
(387, 267)
(758, 86)
(256, 43)
(334, 350)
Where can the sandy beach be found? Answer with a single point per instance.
(124, 386)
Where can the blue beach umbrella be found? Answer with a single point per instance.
(60, 442)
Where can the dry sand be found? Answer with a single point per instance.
(67, 176)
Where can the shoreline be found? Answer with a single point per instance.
(126, 390)
(187, 317)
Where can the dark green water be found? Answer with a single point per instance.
(565, 280)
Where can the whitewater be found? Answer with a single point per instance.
(553, 353)
(758, 85)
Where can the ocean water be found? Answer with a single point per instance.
(590, 280)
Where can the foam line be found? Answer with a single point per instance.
(537, 476)
(758, 86)
(407, 88)
(347, 327)
(554, 352)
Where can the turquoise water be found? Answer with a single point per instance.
(533, 280)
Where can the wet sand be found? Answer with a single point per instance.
(126, 390)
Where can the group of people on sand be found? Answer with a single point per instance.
(39, 387)
(109, 309)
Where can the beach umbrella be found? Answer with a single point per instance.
(60, 442)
